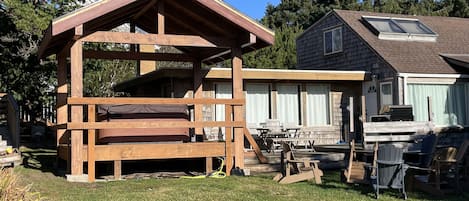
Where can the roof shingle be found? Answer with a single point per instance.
(410, 56)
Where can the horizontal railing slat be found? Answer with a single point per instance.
(167, 101)
(151, 124)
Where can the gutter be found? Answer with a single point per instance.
(423, 75)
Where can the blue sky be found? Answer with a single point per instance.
(253, 8)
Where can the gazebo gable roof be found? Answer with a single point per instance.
(211, 19)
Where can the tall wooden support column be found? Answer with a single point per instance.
(198, 109)
(76, 58)
(237, 78)
(62, 93)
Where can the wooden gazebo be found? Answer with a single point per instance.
(206, 31)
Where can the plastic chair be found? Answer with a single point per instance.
(390, 169)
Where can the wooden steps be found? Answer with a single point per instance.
(10, 160)
(327, 161)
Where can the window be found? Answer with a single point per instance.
(448, 103)
(288, 107)
(386, 94)
(317, 104)
(406, 29)
(257, 103)
(333, 41)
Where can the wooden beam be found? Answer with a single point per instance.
(198, 18)
(159, 151)
(45, 43)
(91, 144)
(241, 20)
(76, 57)
(273, 74)
(255, 146)
(151, 124)
(62, 94)
(238, 93)
(144, 9)
(161, 18)
(222, 41)
(171, 101)
(228, 140)
(148, 39)
(92, 54)
(86, 14)
(78, 32)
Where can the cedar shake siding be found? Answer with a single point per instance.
(355, 55)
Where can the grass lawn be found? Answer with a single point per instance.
(37, 172)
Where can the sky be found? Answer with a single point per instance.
(253, 8)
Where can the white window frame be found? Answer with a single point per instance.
(332, 40)
(381, 93)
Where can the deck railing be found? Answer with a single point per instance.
(118, 152)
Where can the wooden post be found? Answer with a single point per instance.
(198, 93)
(430, 109)
(363, 109)
(237, 81)
(161, 20)
(304, 102)
(62, 94)
(117, 169)
(198, 108)
(76, 57)
(351, 120)
(273, 106)
(228, 138)
(91, 144)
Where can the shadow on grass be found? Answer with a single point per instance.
(332, 180)
(39, 158)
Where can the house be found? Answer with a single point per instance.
(409, 58)
(311, 99)
(204, 31)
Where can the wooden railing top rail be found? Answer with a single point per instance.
(152, 124)
(167, 101)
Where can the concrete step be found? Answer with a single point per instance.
(263, 168)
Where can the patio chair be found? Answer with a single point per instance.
(390, 169)
(291, 172)
(358, 172)
(423, 156)
(444, 169)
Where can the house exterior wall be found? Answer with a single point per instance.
(329, 134)
(355, 54)
(339, 115)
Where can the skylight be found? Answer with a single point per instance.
(405, 29)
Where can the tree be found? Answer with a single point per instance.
(281, 55)
(288, 20)
(22, 74)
